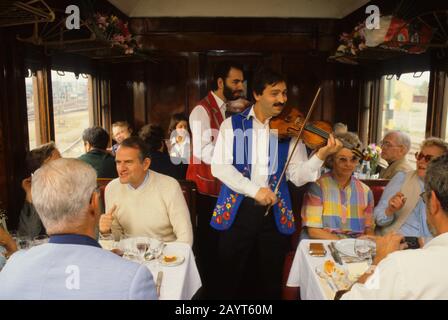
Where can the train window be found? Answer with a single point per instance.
(405, 106)
(72, 102)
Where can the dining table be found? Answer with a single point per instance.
(307, 271)
(175, 281)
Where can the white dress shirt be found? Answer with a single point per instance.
(200, 115)
(300, 170)
(408, 274)
(180, 150)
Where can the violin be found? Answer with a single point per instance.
(315, 133)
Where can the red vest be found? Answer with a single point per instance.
(201, 173)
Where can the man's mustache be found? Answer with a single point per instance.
(279, 104)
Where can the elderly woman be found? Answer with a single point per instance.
(29, 222)
(338, 205)
(401, 208)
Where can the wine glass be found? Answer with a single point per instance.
(24, 242)
(156, 246)
(142, 247)
(363, 249)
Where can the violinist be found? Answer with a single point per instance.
(338, 205)
(252, 244)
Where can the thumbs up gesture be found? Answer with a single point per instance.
(107, 219)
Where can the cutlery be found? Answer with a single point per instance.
(328, 279)
(148, 256)
(159, 282)
(335, 253)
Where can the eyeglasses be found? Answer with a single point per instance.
(423, 196)
(387, 144)
(420, 155)
(353, 159)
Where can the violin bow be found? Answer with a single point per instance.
(308, 115)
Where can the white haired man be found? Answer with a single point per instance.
(395, 146)
(72, 265)
(413, 274)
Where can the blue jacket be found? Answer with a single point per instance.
(74, 271)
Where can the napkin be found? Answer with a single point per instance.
(356, 269)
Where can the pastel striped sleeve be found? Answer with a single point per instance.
(368, 212)
(312, 207)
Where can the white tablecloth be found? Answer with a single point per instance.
(179, 282)
(303, 275)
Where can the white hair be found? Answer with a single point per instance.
(61, 192)
(402, 138)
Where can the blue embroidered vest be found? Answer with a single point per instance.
(229, 201)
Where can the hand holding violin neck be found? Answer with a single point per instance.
(333, 146)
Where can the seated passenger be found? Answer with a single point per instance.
(120, 130)
(394, 148)
(418, 274)
(179, 134)
(142, 202)
(95, 143)
(161, 162)
(400, 208)
(338, 205)
(72, 265)
(29, 221)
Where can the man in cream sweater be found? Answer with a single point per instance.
(141, 202)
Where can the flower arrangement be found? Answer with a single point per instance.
(117, 32)
(352, 43)
(372, 155)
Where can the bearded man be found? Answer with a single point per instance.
(205, 120)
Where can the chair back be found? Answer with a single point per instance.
(101, 184)
(377, 186)
(189, 190)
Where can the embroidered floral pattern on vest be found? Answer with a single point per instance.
(222, 212)
(286, 215)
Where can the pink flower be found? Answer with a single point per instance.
(117, 32)
(118, 38)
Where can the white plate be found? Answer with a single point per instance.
(346, 246)
(179, 260)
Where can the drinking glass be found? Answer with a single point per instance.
(363, 249)
(40, 239)
(142, 248)
(24, 242)
(156, 246)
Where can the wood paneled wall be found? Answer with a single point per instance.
(185, 51)
(13, 125)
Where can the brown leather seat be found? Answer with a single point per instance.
(101, 184)
(189, 190)
(377, 186)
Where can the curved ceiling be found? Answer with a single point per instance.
(239, 8)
